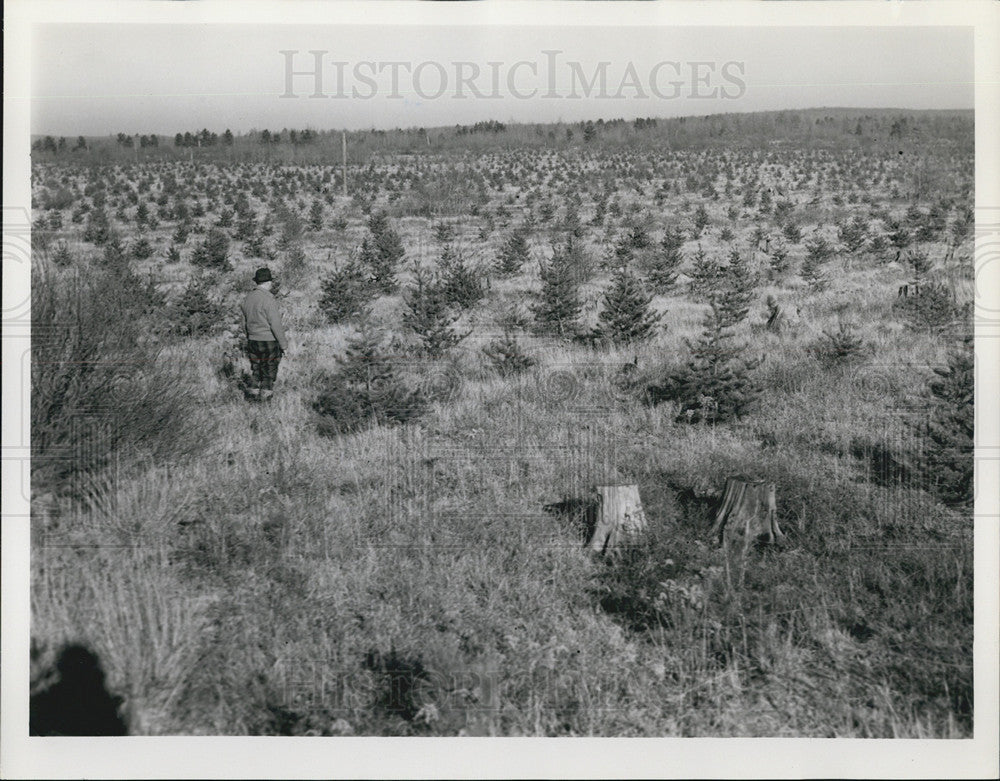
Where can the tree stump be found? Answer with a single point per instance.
(748, 510)
(618, 517)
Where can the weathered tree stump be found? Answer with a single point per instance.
(748, 511)
(618, 517)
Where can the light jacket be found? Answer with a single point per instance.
(261, 318)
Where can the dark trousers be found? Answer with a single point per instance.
(264, 359)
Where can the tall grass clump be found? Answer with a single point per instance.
(102, 393)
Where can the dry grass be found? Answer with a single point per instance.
(405, 580)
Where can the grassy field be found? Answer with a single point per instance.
(241, 569)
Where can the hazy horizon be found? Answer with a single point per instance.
(96, 80)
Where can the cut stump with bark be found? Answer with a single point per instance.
(748, 511)
(618, 517)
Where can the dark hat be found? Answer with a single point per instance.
(263, 275)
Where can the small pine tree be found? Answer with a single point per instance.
(739, 284)
(818, 252)
(934, 308)
(382, 250)
(444, 232)
(98, 228)
(316, 216)
(661, 268)
(701, 221)
(840, 347)
(429, 314)
(345, 292)
(367, 389)
(919, 263)
(506, 356)
(196, 313)
(705, 275)
(853, 235)
(792, 233)
(558, 306)
(382, 274)
(459, 283)
(626, 316)
(213, 251)
(718, 382)
(779, 264)
(61, 256)
(142, 249)
(950, 430)
(513, 253)
(899, 236)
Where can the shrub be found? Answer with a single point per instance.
(367, 390)
(98, 387)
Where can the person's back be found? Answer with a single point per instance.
(266, 340)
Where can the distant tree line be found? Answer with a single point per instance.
(49, 144)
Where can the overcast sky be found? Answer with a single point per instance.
(103, 78)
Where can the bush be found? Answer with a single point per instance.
(98, 387)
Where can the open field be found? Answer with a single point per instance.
(388, 568)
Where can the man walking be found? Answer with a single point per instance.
(266, 341)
